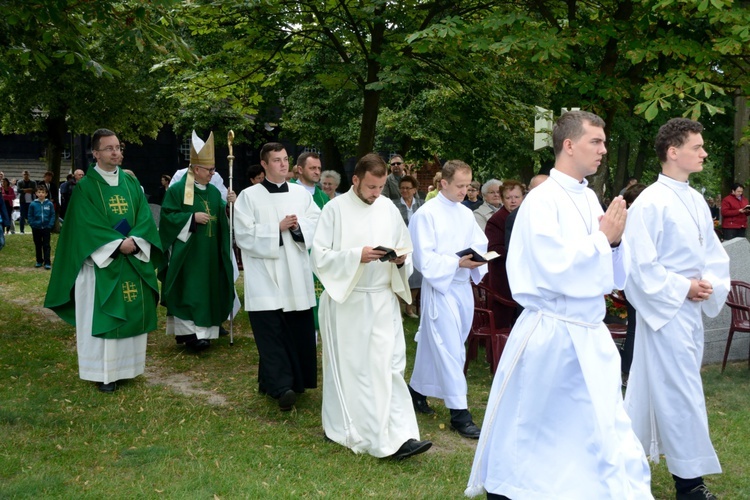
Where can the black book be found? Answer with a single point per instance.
(392, 253)
(123, 227)
(479, 256)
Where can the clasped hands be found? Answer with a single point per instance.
(699, 290)
(612, 223)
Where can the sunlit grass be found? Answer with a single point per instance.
(195, 426)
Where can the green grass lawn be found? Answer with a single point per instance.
(195, 426)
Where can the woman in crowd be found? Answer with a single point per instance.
(512, 195)
(492, 202)
(9, 194)
(329, 181)
(407, 205)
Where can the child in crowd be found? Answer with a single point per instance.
(42, 220)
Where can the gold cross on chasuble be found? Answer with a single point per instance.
(129, 291)
(118, 204)
(211, 219)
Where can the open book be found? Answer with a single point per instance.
(479, 256)
(392, 253)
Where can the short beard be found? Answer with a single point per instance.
(358, 192)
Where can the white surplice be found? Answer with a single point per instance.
(555, 426)
(671, 232)
(439, 230)
(276, 276)
(366, 403)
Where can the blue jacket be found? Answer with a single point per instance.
(42, 215)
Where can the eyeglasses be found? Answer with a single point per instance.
(110, 149)
(406, 188)
(396, 163)
(211, 170)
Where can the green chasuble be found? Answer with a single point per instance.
(126, 290)
(197, 276)
(319, 197)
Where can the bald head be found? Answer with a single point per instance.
(536, 180)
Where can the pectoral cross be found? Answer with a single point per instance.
(211, 219)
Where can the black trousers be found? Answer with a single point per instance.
(41, 242)
(286, 346)
(733, 233)
(627, 351)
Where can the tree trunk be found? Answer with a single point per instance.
(371, 105)
(742, 150)
(640, 159)
(621, 170)
(56, 128)
(334, 161)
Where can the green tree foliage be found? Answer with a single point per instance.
(78, 65)
(614, 56)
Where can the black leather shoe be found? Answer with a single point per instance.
(421, 406)
(198, 345)
(410, 448)
(223, 332)
(108, 388)
(467, 430)
(700, 492)
(420, 403)
(287, 400)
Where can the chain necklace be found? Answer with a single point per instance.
(587, 224)
(694, 219)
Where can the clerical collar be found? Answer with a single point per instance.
(440, 196)
(568, 182)
(310, 189)
(674, 183)
(200, 186)
(104, 173)
(272, 187)
(111, 178)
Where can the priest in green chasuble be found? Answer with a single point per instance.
(104, 281)
(197, 276)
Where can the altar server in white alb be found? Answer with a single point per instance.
(439, 230)
(555, 425)
(274, 222)
(366, 403)
(679, 270)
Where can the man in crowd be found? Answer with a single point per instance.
(197, 277)
(393, 181)
(274, 225)
(492, 202)
(439, 230)
(109, 242)
(54, 195)
(309, 168)
(66, 190)
(364, 353)
(26, 188)
(555, 425)
(680, 270)
(734, 213)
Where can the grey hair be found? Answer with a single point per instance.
(490, 184)
(332, 174)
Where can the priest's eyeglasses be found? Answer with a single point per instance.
(110, 149)
(210, 170)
